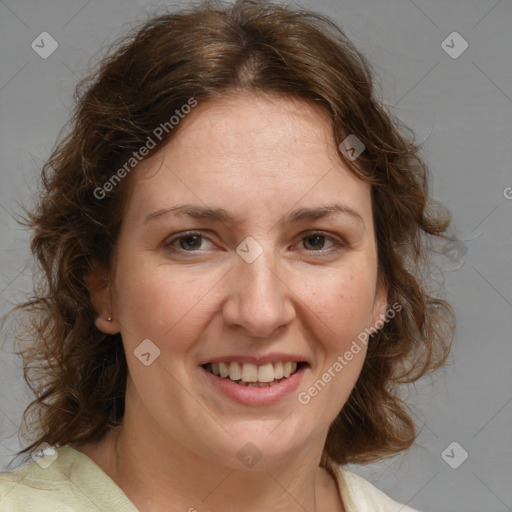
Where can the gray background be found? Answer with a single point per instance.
(460, 108)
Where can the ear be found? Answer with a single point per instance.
(97, 283)
(380, 304)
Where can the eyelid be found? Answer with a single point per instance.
(183, 234)
(338, 242)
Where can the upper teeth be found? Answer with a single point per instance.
(248, 372)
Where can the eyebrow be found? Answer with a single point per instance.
(221, 215)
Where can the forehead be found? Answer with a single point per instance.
(249, 149)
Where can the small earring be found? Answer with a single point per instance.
(109, 319)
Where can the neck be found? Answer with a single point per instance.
(192, 482)
(155, 474)
(157, 467)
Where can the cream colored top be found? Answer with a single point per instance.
(69, 481)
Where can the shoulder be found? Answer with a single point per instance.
(37, 486)
(62, 479)
(359, 495)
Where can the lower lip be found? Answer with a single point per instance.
(248, 395)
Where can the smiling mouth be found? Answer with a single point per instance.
(251, 375)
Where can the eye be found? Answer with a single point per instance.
(193, 241)
(186, 242)
(316, 241)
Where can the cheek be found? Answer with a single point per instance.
(160, 304)
(341, 305)
(339, 314)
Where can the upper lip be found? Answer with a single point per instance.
(257, 360)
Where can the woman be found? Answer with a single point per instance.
(232, 237)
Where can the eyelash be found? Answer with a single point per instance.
(338, 245)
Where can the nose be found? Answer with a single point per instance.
(259, 300)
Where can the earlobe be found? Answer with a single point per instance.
(107, 325)
(99, 292)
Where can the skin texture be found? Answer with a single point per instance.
(258, 158)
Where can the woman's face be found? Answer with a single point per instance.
(247, 246)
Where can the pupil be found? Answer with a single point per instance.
(188, 239)
(315, 239)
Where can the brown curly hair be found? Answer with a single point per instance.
(77, 373)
